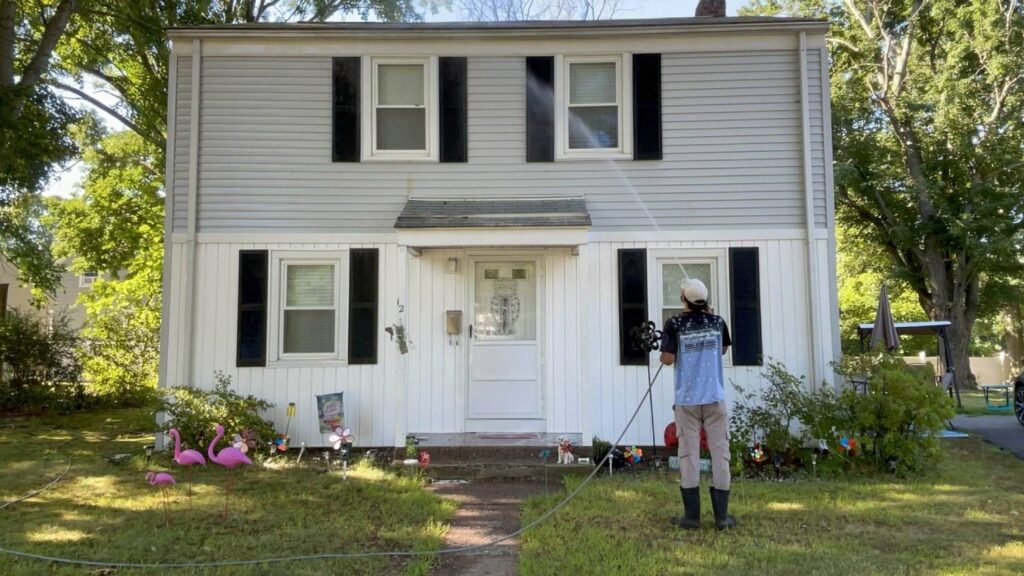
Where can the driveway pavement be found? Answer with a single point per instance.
(1003, 431)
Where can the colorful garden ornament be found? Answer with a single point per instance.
(229, 458)
(281, 441)
(186, 458)
(848, 445)
(163, 480)
(341, 441)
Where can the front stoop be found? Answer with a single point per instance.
(493, 465)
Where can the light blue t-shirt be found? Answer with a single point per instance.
(697, 339)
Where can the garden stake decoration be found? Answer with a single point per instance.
(229, 458)
(281, 442)
(647, 337)
(342, 440)
(186, 458)
(163, 480)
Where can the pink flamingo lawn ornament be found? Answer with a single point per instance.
(163, 480)
(186, 458)
(229, 457)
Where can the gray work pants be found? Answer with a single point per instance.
(714, 418)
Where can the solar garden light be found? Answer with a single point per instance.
(149, 452)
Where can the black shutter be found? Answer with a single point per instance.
(540, 109)
(252, 308)
(345, 110)
(453, 109)
(744, 272)
(647, 106)
(362, 306)
(632, 303)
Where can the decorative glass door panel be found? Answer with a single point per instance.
(506, 301)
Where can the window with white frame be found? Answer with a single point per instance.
(673, 271)
(309, 310)
(674, 265)
(402, 111)
(593, 121)
(87, 278)
(308, 293)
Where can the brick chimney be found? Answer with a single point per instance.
(713, 8)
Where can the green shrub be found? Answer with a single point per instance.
(771, 415)
(40, 367)
(121, 338)
(194, 413)
(898, 417)
(895, 422)
(599, 448)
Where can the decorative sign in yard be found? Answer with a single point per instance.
(331, 409)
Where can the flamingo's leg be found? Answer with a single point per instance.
(167, 519)
(189, 489)
(227, 494)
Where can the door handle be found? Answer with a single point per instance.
(470, 331)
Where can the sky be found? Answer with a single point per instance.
(65, 182)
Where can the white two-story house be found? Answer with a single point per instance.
(458, 225)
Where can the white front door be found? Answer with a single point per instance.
(505, 392)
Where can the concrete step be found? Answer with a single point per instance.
(495, 470)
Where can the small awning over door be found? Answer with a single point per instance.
(486, 222)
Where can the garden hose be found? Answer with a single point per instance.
(329, 555)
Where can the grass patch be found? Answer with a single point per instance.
(974, 403)
(964, 517)
(108, 512)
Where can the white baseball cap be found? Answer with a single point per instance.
(695, 291)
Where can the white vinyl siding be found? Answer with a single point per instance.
(732, 150)
(613, 390)
(372, 396)
(183, 124)
(586, 391)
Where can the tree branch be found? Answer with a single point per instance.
(159, 142)
(51, 35)
(859, 17)
(8, 16)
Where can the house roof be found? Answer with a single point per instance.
(501, 28)
(481, 213)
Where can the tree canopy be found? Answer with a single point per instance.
(928, 132)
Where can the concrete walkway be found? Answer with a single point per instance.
(487, 511)
(1003, 431)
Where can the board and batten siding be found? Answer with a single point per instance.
(373, 393)
(732, 149)
(586, 391)
(612, 391)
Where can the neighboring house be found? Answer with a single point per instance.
(510, 198)
(63, 303)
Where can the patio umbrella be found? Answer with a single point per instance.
(884, 331)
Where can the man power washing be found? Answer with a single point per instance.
(694, 342)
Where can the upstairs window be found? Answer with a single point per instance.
(403, 113)
(87, 278)
(593, 122)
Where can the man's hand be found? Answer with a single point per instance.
(668, 358)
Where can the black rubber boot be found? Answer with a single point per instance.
(720, 504)
(690, 520)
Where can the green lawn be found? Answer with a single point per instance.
(965, 517)
(974, 403)
(105, 511)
